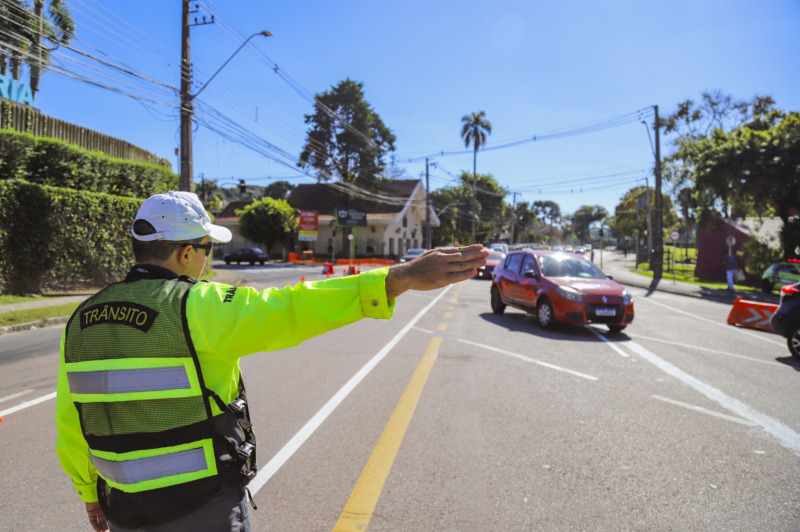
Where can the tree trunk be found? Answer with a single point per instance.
(36, 63)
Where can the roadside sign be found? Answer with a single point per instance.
(675, 236)
(309, 225)
(731, 240)
(350, 218)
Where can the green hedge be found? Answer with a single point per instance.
(56, 163)
(54, 238)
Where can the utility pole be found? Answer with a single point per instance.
(649, 225)
(513, 219)
(186, 103)
(186, 181)
(428, 207)
(658, 222)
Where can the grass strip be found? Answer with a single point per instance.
(36, 314)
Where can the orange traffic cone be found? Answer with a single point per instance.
(751, 314)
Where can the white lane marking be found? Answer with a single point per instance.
(296, 441)
(528, 359)
(511, 354)
(705, 411)
(729, 327)
(750, 359)
(15, 395)
(26, 404)
(785, 436)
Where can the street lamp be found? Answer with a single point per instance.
(187, 98)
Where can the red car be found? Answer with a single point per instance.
(494, 258)
(560, 288)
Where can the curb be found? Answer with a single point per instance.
(33, 325)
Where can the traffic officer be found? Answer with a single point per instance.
(152, 416)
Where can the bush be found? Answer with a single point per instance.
(56, 163)
(56, 238)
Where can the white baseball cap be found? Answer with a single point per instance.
(178, 216)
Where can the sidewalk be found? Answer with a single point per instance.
(223, 275)
(616, 265)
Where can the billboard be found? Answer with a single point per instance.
(309, 225)
(350, 217)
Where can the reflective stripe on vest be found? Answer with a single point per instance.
(171, 466)
(128, 380)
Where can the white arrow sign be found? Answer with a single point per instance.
(758, 317)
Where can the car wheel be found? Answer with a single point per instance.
(498, 307)
(616, 328)
(227, 261)
(766, 286)
(546, 314)
(252, 263)
(793, 340)
(261, 262)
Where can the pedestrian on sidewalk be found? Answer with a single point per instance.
(730, 269)
(152, 416)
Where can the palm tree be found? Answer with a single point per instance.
(58, 27)
(14, 22)
(474, 128)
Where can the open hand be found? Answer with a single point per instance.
(435, 268)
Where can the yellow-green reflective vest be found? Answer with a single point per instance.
(144, 410)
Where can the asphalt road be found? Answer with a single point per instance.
(468, 421)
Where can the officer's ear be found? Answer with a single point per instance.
(182, 254)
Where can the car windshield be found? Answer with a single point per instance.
(494, 255)
(256, 250)
(563, 266)
(413, 252)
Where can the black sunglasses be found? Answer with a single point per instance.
(206, 247)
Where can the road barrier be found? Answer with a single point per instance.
(751, 314)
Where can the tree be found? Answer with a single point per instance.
(694, 122)
(474, 128)
(757, 164)
(527, 224)
(279, 190)
(347, 139)
(15, 21)
(630, 220)
(57, 27)
(549, 211)
(584, 217)
(267, 221)
(23, 31)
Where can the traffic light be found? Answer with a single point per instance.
(242, 186)
(601, 231)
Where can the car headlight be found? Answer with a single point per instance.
(626, 297)
(570, 293)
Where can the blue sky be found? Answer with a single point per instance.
(534, 67)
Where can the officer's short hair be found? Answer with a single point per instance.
(154, 250)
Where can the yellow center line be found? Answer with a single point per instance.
(447, 315)
(442, 326)
(358, 511)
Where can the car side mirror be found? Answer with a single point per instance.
(531, 274)
(610, 277)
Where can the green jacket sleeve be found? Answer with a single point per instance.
(71, 446)
(234, 322)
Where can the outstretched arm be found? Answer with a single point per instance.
(434, 269)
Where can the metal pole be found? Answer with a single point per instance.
(186, 182)
(658, 222)
(428, 207)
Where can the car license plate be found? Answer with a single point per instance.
(606, 312)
